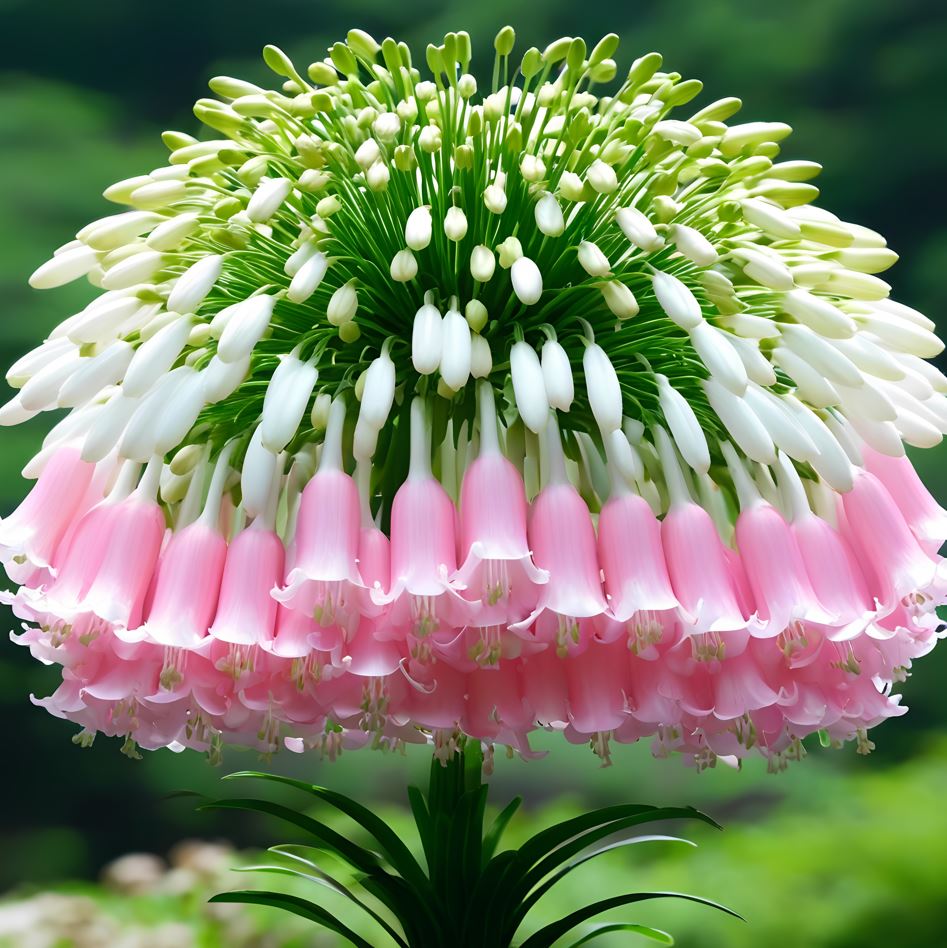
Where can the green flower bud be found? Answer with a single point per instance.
(504, 41)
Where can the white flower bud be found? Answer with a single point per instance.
(818, 314)
(738, 137)
(693, 245)
(557, 376)
(549, 217)
(221, 379)
(684, 426)
(681, 133)
(765, 269)
(571, 186)
(364, 440)
(427, 340)
(194, 284)
(28, 365)
(367, 154)
(859, 286)
(378, 176)
(256, 478)
(387, 126)
(248, 321)
(107, 427)
(430, 139)
(455, 350)
(285, 402)
(619, 299)
(106, 368)
(822, 355)
(626, 459)
(343, 304)
(267, 198)
(720, 358)
(155, 357)
(529, 389)
(593, 261)
(527, 281)
(901, 335)
(102, 319)
(603, 388)
(741, 422)
(494, 197)
(307, 278)
(481, 359)
(780, 422)
(476, 315)
(770, 218)
(170, 234)
(379, 392)
(482, 263)
(13, 412)
(404, 266)
(138, 440)
(676, 299)
(298, 257)
(638, 229)
(40, 392)
(158, 193)
(532, 168)
(138, 268)
(117, 229)
(602, 177)
(455, 224)
(417, 230)
(510, 251)
(179, 412)
(319, 416)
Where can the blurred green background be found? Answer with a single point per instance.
(842, 850)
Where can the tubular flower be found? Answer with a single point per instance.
(403, 412)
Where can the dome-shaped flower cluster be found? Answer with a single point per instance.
(405, 412)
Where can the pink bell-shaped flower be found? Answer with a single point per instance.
(699, 570)
(926, 518)
(187, 584)
(498, 566)
(895, 563)
(30, 535)
(325, 571)
(422, 598)
(563, 541)
(774, 567)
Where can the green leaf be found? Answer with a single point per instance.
(497, 828)
(516, 894)
(397, 852)
(547, 936)
(297, 906)
(655, 934)
(543, 888)
(362, 859)
(320, 877)
(422, 820)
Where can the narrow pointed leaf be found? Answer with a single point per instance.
(394, 848)
(654, 934)
(497, 828)
(543, 888)
(297, 906)
(321, 877)
(547, 936)
(357, 856)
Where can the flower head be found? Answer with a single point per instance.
(667, 392)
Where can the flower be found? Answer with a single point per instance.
(330, 476)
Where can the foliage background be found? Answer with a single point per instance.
(842, 851)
